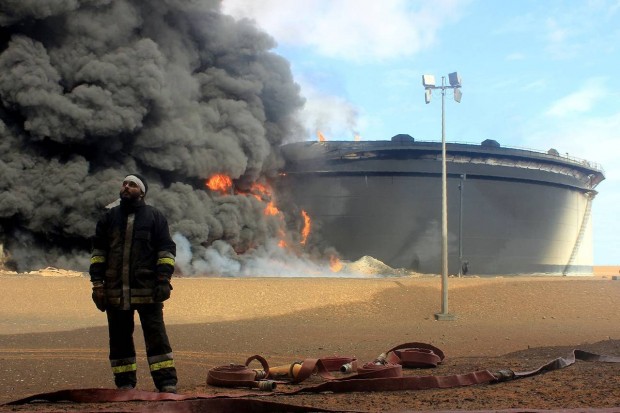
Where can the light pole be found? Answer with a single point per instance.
(428, 81)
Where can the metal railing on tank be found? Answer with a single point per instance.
(573, 159)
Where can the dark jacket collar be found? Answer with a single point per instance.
(131, 205)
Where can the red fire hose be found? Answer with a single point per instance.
(414, 355)
(384, 374)
(236, 375)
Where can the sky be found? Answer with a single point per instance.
(535, 75)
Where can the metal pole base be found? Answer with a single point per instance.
(445, 317)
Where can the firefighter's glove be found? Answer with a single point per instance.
(99, 297)
(161, 292)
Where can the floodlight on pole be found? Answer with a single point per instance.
(455, 79)
(428, 81)
(457, 95)
(428, 95)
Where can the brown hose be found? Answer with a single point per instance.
(242, 376)
(413, 355)
(238, 375)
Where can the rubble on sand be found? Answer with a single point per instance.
(55, 272)
(368, 265)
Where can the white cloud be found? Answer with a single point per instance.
(580, 101)
(350, 29)
(555, 33)
(595, 140)
(558, 36)
(536, 84)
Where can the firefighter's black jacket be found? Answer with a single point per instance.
(132, 252)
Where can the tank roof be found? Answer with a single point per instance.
(333, 155)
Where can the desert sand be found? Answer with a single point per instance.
(53, 338)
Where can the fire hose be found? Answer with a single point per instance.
(413, 355)
(383, 374)
(236, 375)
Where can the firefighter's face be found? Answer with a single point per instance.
(131, 190)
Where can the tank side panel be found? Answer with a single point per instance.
(509, 227)
(584, 250)
(395, 219)
(520, 227)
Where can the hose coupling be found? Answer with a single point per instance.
(260, 374)
(381, 359)
(346, 368)
(504, 375)
(266, 385)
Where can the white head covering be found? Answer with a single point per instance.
(136, 180)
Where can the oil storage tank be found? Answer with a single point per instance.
(510, 211)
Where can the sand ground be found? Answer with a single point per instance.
(53, 338)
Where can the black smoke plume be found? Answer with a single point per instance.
(91, 90)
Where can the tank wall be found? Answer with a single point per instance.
(520, 227)
(509, 227)
(584, 256)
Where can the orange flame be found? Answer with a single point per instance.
(320, 136)
(271, 209)
(282, 243)
(334, 264)
(306, 229)
(263, 192)
(357, 138)
(220, 183)
(260, 191)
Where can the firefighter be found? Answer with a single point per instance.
(131, 265)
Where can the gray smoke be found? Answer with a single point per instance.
(91, 90)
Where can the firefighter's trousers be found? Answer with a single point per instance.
(123, 352)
